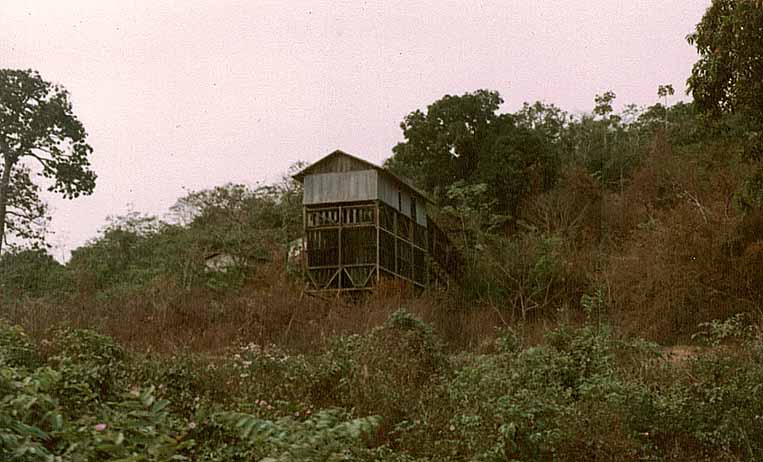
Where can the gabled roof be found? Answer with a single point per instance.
(401, 181)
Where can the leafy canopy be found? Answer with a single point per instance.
(728, 78)
(38, 127)
(463, 140)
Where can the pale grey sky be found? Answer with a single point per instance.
(192, 94)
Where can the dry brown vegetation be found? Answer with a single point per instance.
(539, 353)
(667, 252)
(166, 319)
(690, 257)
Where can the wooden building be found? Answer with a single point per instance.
(363, 224)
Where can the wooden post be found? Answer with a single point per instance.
(394, 235)
(305, 268)
(341, 267)
(411, 237)
(378, 244)
(427, 256)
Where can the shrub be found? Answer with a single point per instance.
(28, 413)
(530, 276)
(16, 348)
(327, 435)
(93, 365)
(394, 366)
(188, 381)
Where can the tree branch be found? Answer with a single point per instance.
(21, 215)
(44, 162)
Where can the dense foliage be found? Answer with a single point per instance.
(37, 125)
(646, 204)
(462, 139)
(248, 226)
(728, 79)
(389, 395)
(586, 238)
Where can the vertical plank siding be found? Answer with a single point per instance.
(362, 225)
(327, 188)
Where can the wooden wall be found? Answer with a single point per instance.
(388, 193)
(341, 178)
(327, 188)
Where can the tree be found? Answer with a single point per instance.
(126, 253)
(663, 91)
(37, 126)
(599, 142)
(520, 163)
(444, 144)
(729, 40)
(464, 141)
(604, 104)
(728, 78)
(33, 273)
(236, 219)
(248, 224)
(26, 215)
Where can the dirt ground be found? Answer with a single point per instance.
(679, 353)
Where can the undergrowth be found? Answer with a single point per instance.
(391, 394)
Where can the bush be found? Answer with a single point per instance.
(16, 348)
(394, 366)
(530, 277)
(190, 382)
(327, 435)
(93, 365)
(28, 413)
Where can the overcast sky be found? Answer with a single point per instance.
(193, 94)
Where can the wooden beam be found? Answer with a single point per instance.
(341, 267)
(378, 243)
(394, 234)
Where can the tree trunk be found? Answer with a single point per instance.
(4, 184)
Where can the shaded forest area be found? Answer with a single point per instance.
(610, 308)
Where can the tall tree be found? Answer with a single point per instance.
(463, 142)
(728, 78)
(26, 215)
(38, 126)
(520, 163)
(663, 91)
(597, 141)
(443, 144)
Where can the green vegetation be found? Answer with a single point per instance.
(38, 125)
(610, 308)
(389, 395)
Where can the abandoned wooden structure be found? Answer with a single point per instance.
(363, 224)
